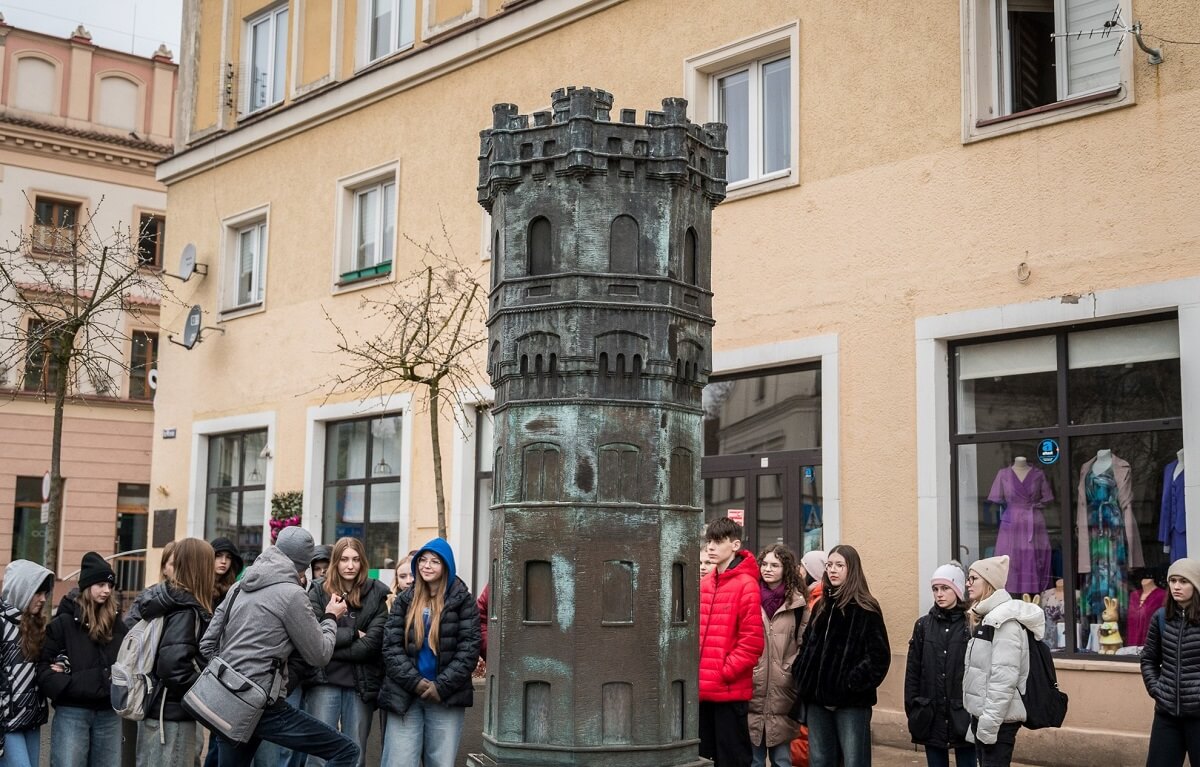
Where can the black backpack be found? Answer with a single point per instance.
(1045, 704)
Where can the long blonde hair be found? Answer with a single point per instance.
(396, 589)
(335, 584)
(97, 618)
(988, 589)
(427, 596)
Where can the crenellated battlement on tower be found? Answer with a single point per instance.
(578, 137)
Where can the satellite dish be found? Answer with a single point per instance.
(191, 328)
(187, 262)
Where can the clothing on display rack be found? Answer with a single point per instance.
(1142, 606)
(1172, 522)
(1108, 537)
(1022, 535)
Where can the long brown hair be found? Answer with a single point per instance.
(33, 632)
(1191, 611)
(431, 596)
(335, 583)
(194, 571)
(853, 589)
(97, 618)
(791, 575)
(167, 551)
(223, 583)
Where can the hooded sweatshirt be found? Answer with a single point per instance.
(271, 616)
(997, 663)
(21, 703)
(427, 661)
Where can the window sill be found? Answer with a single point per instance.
(366, 273)
(1129, 666)
(240, 311)
(1068, 109)
(774, 182)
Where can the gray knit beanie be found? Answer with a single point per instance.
(297, 544)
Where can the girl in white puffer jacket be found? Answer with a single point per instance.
(997, 662)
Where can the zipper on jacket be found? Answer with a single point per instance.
(1178, 667)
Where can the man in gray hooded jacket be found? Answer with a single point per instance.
(270, 617)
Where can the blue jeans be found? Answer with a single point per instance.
(81, 737)
(844, 734)
(428, 734)
(781, 755)
(333, 705)
(292, 729)
(22, 748)
(940, 757)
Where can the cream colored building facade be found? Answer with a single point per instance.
(949, 241)
(81, 130)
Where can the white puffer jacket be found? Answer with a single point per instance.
(997, 663)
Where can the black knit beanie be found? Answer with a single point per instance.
(95, 570)
(225, 545)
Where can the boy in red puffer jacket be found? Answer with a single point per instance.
(731, 641)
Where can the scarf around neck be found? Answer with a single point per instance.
(771, 598)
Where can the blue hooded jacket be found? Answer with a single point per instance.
(427, 662)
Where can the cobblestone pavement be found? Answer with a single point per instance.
(887, 756)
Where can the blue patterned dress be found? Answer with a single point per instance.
(1106, 541)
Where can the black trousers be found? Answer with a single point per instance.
(1171, 737)
(724, 734)
(1000, 753)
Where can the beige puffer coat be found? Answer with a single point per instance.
(774, 689)
(997, 663)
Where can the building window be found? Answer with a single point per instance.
(41, 363)
(1017, 66)
(152, 235)
(267, 35)
(484, 469)
(374, 243)
(754, 100)
(29, 533)
(143, 359)
(390, 26)
(133, 518)
(236, 504)
(1064, 453)
(248, 277)
(54, 225)
(541, 257)
(362, 483)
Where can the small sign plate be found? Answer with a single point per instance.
(45, 513)
(168, 434)
(737, 515)
(1047, 451)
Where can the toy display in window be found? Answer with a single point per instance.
(1142, 605)
(1172, 524)
(1022, 490)
(1108, 537)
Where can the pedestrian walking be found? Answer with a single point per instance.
(933, 677)
(168, 736)
(997, 660)
(345, 691)
(74, 671)
(270, 617)
(27, 586)
(430, 647)
(785, 617)
(1171, 669)
(843, 659)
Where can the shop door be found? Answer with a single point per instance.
(777, 497)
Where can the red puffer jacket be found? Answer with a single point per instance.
(731, 630)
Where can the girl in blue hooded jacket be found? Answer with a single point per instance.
(430, 647)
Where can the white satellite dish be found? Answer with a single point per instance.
(188, 264)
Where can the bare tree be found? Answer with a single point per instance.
(65, 289)
(431, 329)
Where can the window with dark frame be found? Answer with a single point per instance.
(362, 483)
(28, 532)
(484, 469)
(1069, 433)
(143, 358)
(236, 500)
(152, 233)
(41, 364)
(54, 225)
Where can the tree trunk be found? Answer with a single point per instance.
(436, 445)
(54, 516)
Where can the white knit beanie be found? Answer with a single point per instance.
(952, 575)
(814, 564)
(994, 570)
(1186, 568)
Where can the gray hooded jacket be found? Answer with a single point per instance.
(271, 617)
(21, 703)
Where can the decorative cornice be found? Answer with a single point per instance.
(81, 145)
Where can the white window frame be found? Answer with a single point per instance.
(402, 35)
(271, 18)
(986, 62)
(701, 74)
(345, 247)
(198, 484)
(463, 487)
(317, 419)
(753, 70)
(381, 254)
(257, 219)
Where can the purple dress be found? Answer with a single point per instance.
(1023, 535)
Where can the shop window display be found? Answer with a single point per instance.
(1068, 458)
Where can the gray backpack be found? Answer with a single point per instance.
(133, 681)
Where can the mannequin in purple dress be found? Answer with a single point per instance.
(1022, 490)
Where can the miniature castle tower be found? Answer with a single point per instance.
(600, 328)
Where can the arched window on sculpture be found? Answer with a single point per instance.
(690, 258)
(541, 259)
(623, 257)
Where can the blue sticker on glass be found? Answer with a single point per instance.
(1047, 451)
(808, 472)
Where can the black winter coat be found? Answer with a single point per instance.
(1171, 665)
(933, 697)
(363, 653)
(458, 652)
(179, 662)
(89, 681)
(844, 656)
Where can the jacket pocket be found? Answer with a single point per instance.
(960, 721)
(920, 719)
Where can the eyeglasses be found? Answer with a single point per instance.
(430, 560)
(973, 579)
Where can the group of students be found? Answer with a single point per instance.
(791, 656)
(333, 649)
